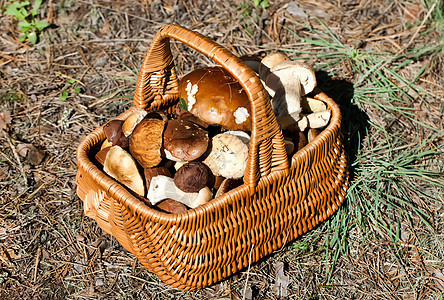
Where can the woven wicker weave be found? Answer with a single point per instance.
(281, 197)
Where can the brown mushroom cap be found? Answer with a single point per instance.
(227, 185)
(114, 133)
(192, 177)
(101, 155)
(184, 139)
(146, 142)
(171, 206)
(216, 97)
(152, 172)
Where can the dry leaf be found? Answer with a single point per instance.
(282, 281)
(33, 155)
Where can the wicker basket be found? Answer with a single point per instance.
(281, 197)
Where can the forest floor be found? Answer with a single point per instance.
(382, 61)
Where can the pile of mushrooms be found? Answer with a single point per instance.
(178, 161)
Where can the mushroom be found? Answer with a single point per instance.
(313, 120)
(167, 205)
(252, 61)
(218, 181)
(146, 142)
(266, 64)
(192, 177)
(286, 81)
(180, 112)
(227, 185)
(270, 61)
(229, 154)
(101, 155)
(310, 105)
(196, 120)
(105, 144)
(163, 187)
(184, 140)
(216, 97)
(152, 172)
(114, 133)
(312, 134)
(120, 165)
(171, 206)
(290, 81)
(131, 122)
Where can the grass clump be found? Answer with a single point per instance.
(395, 153)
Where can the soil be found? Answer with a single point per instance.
(83, 71)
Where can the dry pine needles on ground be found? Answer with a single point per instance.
(382, 61)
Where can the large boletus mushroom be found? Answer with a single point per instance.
(146, 141)
(184, 140)
(216, 97)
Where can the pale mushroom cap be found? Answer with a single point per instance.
(310, 105)
(273, 58)
(228, 156)
(270, 61)
(293, 69)
(132, 121)
(120, 165)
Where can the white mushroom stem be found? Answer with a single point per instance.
(313, 120)
(179, 164)
(163, 187)
(288, 93)
(318, 119)
(310, 105)
(288, 82)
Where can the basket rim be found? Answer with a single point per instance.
(113, 187)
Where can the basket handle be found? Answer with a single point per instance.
(267, 149)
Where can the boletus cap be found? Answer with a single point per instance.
(216, 97)
(114, 133)
(184, 140)
(192, 177)
(146, 141)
